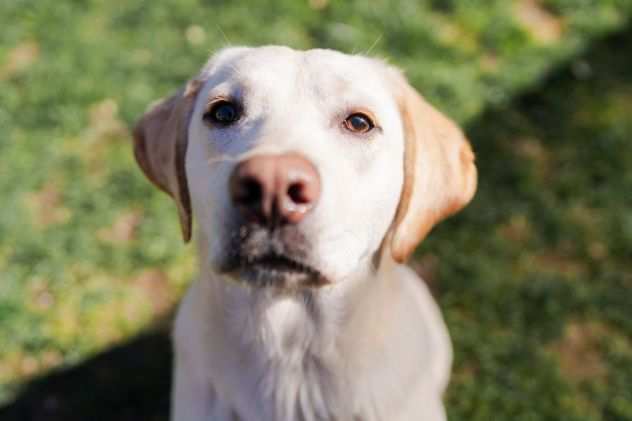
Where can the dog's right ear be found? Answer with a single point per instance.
(160, 145)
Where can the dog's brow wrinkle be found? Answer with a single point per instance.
(237, 71)
(234, 158)
(222, 158)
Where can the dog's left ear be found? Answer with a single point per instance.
(160, 145)
(439, 171)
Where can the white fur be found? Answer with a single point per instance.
(371, 345)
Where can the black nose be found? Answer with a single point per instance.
(275, 189)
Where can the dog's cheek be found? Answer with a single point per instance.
(339, 227)
(380, 192)
(372, 210)
(210, 201)
(343, 259)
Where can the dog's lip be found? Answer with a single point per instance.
(282, 268)
(283, 263)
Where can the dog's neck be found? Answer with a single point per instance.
(292, 324)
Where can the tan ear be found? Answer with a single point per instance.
(439, 171)
(160, 145)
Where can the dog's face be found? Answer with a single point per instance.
(297, 103)
(300, 167)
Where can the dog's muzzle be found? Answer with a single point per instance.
(272, 194)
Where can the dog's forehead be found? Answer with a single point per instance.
(326, 72)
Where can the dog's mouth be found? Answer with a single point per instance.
(276, 258)
(280, 263)
(280, 271)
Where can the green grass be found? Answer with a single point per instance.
(534, 277)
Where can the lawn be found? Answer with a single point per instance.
(534, 278)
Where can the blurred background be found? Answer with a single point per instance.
(534, 277)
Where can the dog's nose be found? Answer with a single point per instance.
(275, 189)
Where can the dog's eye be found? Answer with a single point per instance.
(223, 113)
(359, 123)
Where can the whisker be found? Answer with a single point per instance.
(226, 40)
(377, 40)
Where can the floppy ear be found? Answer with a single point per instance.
(160, 145)
(439, 171)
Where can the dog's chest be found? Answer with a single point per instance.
(297, 373)
(303, 390)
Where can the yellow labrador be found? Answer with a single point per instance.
(312, 176)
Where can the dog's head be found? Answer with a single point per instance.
(302, 167)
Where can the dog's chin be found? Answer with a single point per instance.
(274, 271)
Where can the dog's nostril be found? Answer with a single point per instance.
(296, 192)
(249, 192)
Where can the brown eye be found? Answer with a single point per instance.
(359, 123)
(223, 113)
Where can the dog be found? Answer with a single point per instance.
(312, 176)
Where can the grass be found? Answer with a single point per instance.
(534, 278)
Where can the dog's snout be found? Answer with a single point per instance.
(275, 189)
